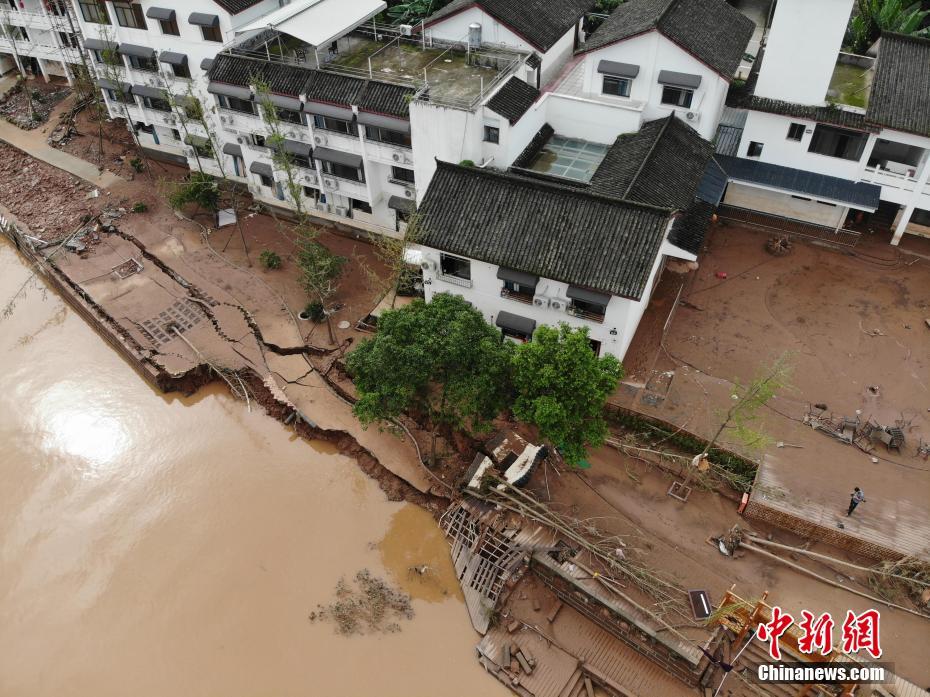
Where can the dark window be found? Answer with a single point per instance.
(19, 34)
(290, 116)
(304, 161)
(677, 96)
(181, 71)
(363, 206)
(384, 135)
(120, 97)
(595, 346)
(266, 181)
(754, 149)
(212, 34)
(176, 134)
(129, 15)
(238, 166)
(338, 125)
(259, 140)
(920, 217)
(56, 7)
(169, 26)
(589, 310)
(156, 104)
(837, 142)
(203, 150)
(455, 266)
(310, 192)
(94, 12)
(67, 39)
(147, 64)
(492, 134)
(618, 86)
(236, 104)
(401, 174)
(796, 131)
(344, 171)
(518, 291)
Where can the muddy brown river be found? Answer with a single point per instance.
(154, 545)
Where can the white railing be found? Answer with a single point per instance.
(22, 18)
(884, 177)
(454, 280)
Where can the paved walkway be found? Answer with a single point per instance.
(34, 143)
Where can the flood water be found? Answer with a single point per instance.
(153, 545)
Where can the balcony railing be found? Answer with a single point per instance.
(585, 314)
(519, 297)
(455, 280)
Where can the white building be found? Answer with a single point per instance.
(39, 37)
(831, 138)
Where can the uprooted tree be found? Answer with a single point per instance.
(440, 359)
(561, 387)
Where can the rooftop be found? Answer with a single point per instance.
(711, 30)
(901, 89)
(569, 158)
(851, 80)
(513, 99)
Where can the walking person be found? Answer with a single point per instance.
(855, 498)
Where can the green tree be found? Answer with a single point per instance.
(561, 387)
(877, 17)
(441, 359)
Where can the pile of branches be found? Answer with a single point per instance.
(368, 605)
(908, 577)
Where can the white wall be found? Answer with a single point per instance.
(451, 135)
(802, 47)
(783, 204)
(593, 121)
(652, 52)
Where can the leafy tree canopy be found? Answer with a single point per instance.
(562, 387)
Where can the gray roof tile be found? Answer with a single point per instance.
(900, 97)
(513, 99)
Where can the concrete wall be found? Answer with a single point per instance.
(802, 48)
(783, 204)
(448, 134)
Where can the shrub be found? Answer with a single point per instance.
(315, 311)
(136, 164)
(269, 259)
(467, 163)
(139, 207)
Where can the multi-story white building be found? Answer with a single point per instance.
(831, 138)
(39, 37)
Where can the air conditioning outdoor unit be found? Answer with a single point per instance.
(331, 183)
(540, 301)
(558, 304)
(396, 157)
(344, 212)
(406, 29)
(240, 140)
(428, 265)
(169, 120)
(319, 140)
(693, 116)
(310, 178)
(409, 193)
(225, 119)
(323, 207)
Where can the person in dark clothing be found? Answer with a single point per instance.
(855, 498)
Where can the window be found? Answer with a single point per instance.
(337, 125)
(238, 166)
(344, 171)
(259, 140)
(588, 310)
(156, 104)
(235, 104)
(212, 34)
(362, 206)
(304, 161)
(518, 291)
(796, 131)
(203, 149)
(120, 97)
(837, 142)
(148, 64)
(290, 116)
(455, 266)
(18, 34)
(176, 134)
(129, 15)
(754, 149)
(402, 175)
(266, 180)
(68, 40)
(617, 86)
(181, 71)
(94, 12)
(169, 26)
(920, 217)
(310, 192)
(384, 135)
(492, 134)
(677, 96)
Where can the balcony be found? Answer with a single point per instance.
(37, 50)
(591, 316)
(454, 280)
(525, 298)
(240, 121)
(346, 187)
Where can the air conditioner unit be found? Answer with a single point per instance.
(409, 193)
(405, 29)
(540, 301)
(169, 120)
(319, 140)
(407, 160)
(241, 140)
(693, 116)
(428, 265)
(396, 157)
(310, 178)
(225, 119)
(344, 212)
(331, 183)
(323, 207)
(557, 304)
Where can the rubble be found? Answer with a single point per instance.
(16, 108)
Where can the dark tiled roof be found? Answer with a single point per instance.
(542, 228)
(541, 22)
(856, 194)
(713, 184)
(660, 165)
(513, 99)
(689, 229)
(711, 30)
(318, 85)
(900, 97)
(234, 7)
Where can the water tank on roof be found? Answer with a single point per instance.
(474, 36)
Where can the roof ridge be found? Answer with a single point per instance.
(642, 165)
(665, 12)
(544, 183)
(909, 38)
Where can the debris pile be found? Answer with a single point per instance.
(28, 106)
(779, 246)
(908, 577)
(367, 605)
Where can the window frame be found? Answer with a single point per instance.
(793, 128)
(98, 9)
(755, 149)
(403, 177)
(154, 103)
(132, 12)
(185, 69)
(817, 139)
(681, 102)
(357, 204)
(625, 84)
(327, 123)
(340, 171)
(396, 138)
(226, 103)
(492, 134)
(171, 24)
(266, 181)
(455, 266)
(146, 65)
(212, 33)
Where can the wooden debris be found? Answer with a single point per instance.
(536, 605)
(513, 626)
(588, 686)
(524, 664)
(507, 657)
(554, 611)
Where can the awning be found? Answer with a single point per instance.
(283, 102)
(202, 19)
(230, 90)
(206, 64)
(137, 51)
(516, 323)
(110, 85)
(588, 296)
(172, 58)
(317, 22)
(151, 92)
(334, 112)
(232, 149)
(520, 277)
(162, 14)
(338, 157)
(399, 203)
(686, 80)
(295, 147)
(386, 122)
(618, 69)
(98, 45)
(261, 168)
(712, 184)
(857, 195)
